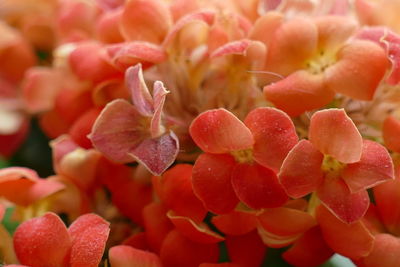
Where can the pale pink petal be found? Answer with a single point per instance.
(374, 167)
(160, 93)
(219, 131)
(346, 206)
(141, 97)
(233, 48)
(117, 130)
(301, 171)
(127, 256)
(332, 132)
(274, 135)
(157, 154)
(89, 234)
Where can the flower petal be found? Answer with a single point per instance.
(299, 92)
(350, 240)
(160, 93)
(274, 135)
(332, 132)
(89, 234)
(336, 196)
(117, 130)
(145, 20)
(391, 133)
(258, 187)
(140, 95)
(219, 131)
(235, 223)
(178, 195)
(180, 251)
(355, 74)
(309, 250)
(374, 167)
(211, 180)
(157, 154)
(199, 233)
(301, 171)
(385, 252)
(126, 256)
(42, 241)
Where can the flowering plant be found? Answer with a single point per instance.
(199, 133)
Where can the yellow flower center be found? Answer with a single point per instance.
(243, 156)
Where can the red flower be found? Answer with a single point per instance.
(241, 159)
(336, 163)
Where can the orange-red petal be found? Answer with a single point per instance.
(258, 187)
(42, 241)
(219, 131)
(336, 196)
(235, 223)
(384, 253)
(374, 167)
(211, 180)
(126, 256)
(89, 234)
(301, 171)
(332, 132)
(274, 135)
(391, 133)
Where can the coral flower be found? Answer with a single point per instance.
(241, 159)
(317, 60)
(336, 163)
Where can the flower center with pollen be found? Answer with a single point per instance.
(320, 62)
(243, 156)
(332, 167)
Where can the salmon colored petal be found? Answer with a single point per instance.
(235, 223)
(83, 126)
(89, 234)
(258, 187)
(180, 251)
(117, 131)
(299, 92)
(301, 171)
(286, 221)
(332, 132)
(336, 196)
(107, 27)
(274, 135)
(205, 16)
(199, 233)
(157, 154)
(108, 91)
(387, 197)
(126, 256)
(391, 133)
(60, 147)
(309, 250)
(233, 48)
(211, 180)
(293, 43)
(40, 88)
(144, 20)
(53, 124)
(125, 55)
(89, 61)
(178, 193)
(350, 240)
(42, 241)
(354, 74)
(333, 32)
(140, 95)
(384, 253)
(219, 131)
(246, 250)
(156, 224)
(374, 167)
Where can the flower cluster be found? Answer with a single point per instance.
(200, 133)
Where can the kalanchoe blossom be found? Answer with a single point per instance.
(339, 175)
(124, 132)
(241, 159)
(45, 241)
